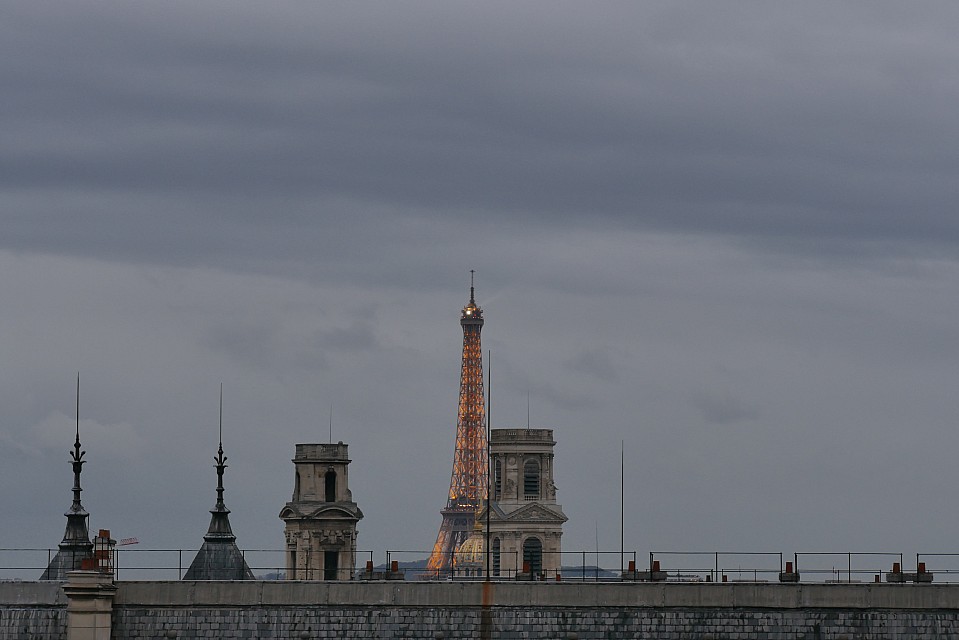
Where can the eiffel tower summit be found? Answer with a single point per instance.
(468, 482)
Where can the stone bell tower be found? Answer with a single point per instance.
(526, 521)
(321, 518)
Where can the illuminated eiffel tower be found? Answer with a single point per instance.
(468, 482)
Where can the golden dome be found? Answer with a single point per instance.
(470, 553)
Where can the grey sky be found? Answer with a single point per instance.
(724, 233)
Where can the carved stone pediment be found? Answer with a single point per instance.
(535, 512)
(332, 512)
(346, 511)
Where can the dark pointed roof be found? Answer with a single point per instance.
(219, 558)
(76, 544)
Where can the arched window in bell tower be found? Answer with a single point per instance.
(531, 480)
(330, 485)
(497, 479)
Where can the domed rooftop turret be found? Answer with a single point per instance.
(470, 556)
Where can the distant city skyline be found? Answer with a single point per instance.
(722, 234)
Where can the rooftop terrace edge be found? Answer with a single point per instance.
(541, 595)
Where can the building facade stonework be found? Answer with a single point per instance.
(321, 518)
(526, 522)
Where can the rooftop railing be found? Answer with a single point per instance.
(134, 563)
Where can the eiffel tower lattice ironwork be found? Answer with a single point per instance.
(467, 493)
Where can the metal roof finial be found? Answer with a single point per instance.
(76, 457)
(220, 460)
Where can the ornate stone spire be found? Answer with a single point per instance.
(76, 544)
(219, 558)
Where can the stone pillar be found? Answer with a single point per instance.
(90, 605)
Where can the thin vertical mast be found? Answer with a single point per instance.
(596, 523)
(622, 500)
(489, 468)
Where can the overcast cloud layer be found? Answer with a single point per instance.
(724, 234)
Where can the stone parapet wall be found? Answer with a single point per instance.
(542, 595)
(275, 610)
(535, 610)
(509, 623)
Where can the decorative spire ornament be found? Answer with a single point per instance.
(76, 545)
(219, 558)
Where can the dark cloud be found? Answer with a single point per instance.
(595, 363)
(805, 124)
(724, 409)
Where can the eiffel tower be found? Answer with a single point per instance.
(468, 482)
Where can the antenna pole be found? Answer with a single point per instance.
(489, 468)
(622, 500)
(331, 423)
(596, 523)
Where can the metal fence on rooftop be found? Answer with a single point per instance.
(136, 563)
